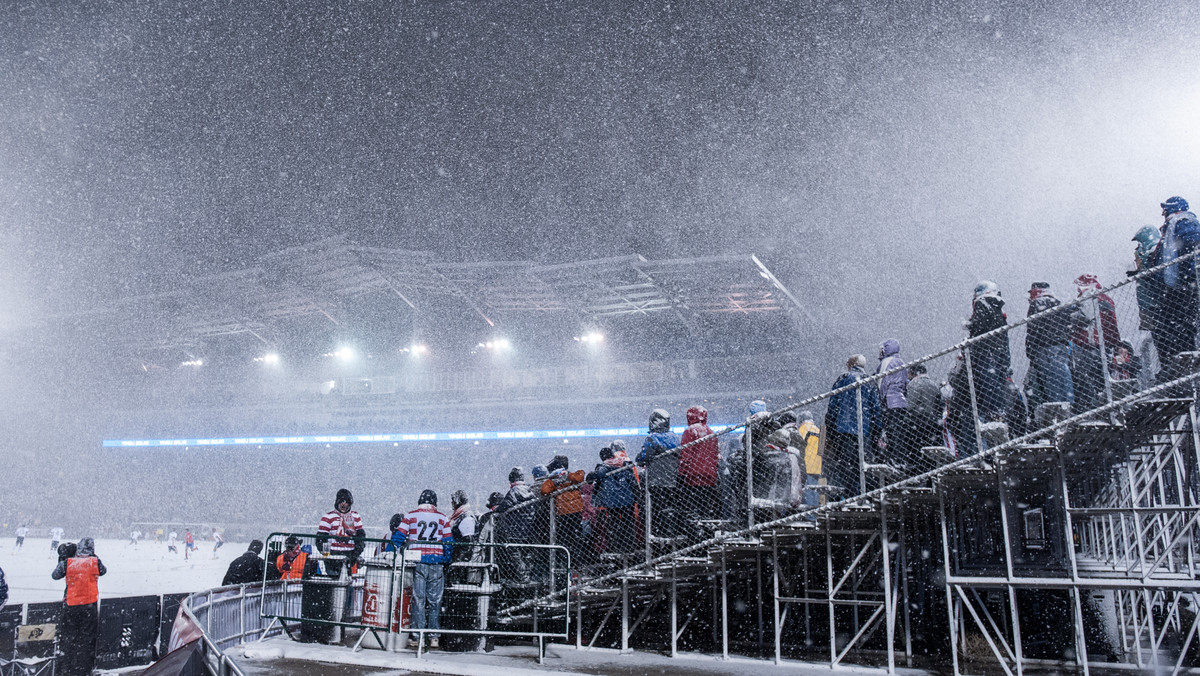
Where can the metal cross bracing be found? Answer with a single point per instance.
(1066, 542)
(951, 569)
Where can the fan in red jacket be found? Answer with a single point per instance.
(1087, 371)
(698, 468)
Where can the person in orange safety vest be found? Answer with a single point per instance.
(80, 624)
(290, 563)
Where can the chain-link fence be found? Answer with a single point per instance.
(1028, 361)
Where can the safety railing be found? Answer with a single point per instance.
(386, 592)
(228, 616)
(1073, 355)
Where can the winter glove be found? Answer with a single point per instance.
(359, 544)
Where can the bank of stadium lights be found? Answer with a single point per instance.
(592, 337)
(497, 345)
(269, 359)
(194, 363)
(416, 349)
(344, 353)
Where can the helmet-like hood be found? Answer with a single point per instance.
(1147, 238)
(1086, 283)
(660, 420)
(87, 547)
(758, 406)
(890, 347)
(343, 495)
(1174, 205)
(987, 289)
(697, 414)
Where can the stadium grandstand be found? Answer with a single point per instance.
(334, 338)
(335, 341)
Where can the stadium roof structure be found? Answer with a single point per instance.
(319, 280)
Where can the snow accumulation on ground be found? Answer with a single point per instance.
(282, 657)
(144, 569)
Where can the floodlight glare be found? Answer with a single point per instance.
(269, 358)
(344, 353)
(193, 362)
(591, 337)
(419, 349)
(496, 345)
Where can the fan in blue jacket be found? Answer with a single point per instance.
(841, 464)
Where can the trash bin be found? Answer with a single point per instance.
(382, 583)
(461, 606)
(321, 598)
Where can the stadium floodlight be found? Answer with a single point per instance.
(592, 337)
(270, 359)
(197, 363)
(416, 349)
(496, 345)
(344, 353)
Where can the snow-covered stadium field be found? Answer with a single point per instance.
(132, 570)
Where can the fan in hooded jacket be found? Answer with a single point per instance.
(517, 523)
(1047, 344)
(568, 503)
(990, 357)
(1178, 307)
(342, 527)
(661, 463)
(842, 464)
(698, 462)
(616, 482)
(247, 568)
(1091, 340)
(893, 403)
(79, 626)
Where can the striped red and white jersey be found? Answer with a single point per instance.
(427, 532)
(342, 526)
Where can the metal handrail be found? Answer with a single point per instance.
(213, 635)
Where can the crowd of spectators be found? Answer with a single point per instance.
(677, 490)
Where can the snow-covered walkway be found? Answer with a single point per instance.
(282, 657)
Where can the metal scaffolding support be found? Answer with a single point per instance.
(1095, 525)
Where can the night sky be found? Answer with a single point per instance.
(871, 153)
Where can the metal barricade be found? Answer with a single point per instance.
(481, 584)
(229, 616)
(324, 592)
(387, 594)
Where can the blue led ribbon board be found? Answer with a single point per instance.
(395, 437)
